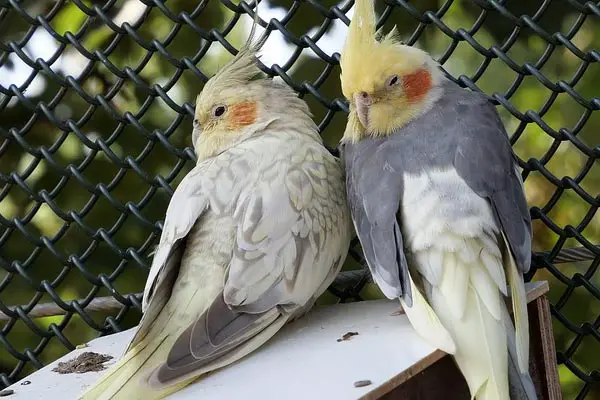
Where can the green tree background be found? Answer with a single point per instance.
(124, 140)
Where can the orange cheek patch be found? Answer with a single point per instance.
(242, 114)
(417, 84)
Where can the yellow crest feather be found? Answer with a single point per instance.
(363, 43)
(242, 68)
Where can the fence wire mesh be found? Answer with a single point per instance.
(96, 104)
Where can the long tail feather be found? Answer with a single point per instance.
(521, 385)
(519, 303)
(120, 381)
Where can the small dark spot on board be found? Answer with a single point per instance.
(347, 336)
(85, 362)
(6, 392)
(364, 382)
(25, 383)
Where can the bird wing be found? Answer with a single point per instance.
(374, 192)
(187, 204)
(485, 161)
(290, 242)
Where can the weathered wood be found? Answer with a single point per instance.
(440, 381)
(405, 377)
(543, 365)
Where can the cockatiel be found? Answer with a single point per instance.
(438, 205)
(254, 233)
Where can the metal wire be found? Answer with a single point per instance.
(105, 82)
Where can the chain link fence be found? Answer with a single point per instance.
(96, 105)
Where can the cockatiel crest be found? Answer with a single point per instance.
(409, 77)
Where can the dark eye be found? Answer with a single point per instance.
(219, 110)
(196, 122)
(393, 80)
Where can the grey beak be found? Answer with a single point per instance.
(362, 102)
(196, 132)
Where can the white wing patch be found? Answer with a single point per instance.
(440, 200)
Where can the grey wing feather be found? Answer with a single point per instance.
(374, 198)
(217, 332)
(484, 159)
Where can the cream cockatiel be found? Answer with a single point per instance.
(255, 232)
(438, 205)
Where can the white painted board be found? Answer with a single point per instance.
(303, 361)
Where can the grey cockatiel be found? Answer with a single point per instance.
(255, 232)
(438, 205)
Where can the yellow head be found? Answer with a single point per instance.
(237, 103)
(387, 83)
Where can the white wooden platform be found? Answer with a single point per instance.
(304, 360)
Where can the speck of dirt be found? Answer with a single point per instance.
(25, 383)
(6, 392)
(347, 336)
(85, 362)
(364, 382)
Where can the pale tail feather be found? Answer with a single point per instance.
(494, 335)
(480, 337)
(519, 303)
(116, 382)
(453, 285)
(426, 323)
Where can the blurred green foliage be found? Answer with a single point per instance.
(124, 140)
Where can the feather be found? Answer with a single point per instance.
(479, 337)
(487, 291)
(426, 323)
(431, 264)
(494, 336)
(521, 385)
(453, 285)
(126, 378)
(519, 303)
(217, 335)
(495, 270)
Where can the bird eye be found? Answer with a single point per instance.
(219, 111)
(393, 80)
(196, 122)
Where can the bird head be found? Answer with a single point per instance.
(386, 83)
(238, 103)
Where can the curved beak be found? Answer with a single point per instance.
(362, 102)
(196, 132)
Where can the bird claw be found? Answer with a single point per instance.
(399, 311)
